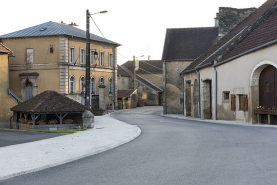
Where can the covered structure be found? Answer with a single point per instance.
(51, 111)
(127, 98)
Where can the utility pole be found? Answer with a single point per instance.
(87, 95)
(134, 58)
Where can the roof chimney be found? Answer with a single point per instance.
(216, 20)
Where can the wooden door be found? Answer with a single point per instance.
(268, 89)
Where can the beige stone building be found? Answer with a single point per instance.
(238, 74)
(52, 56)
(6, 101)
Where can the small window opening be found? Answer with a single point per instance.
(226, 95)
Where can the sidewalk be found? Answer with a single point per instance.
(176, 116)
(34, 156)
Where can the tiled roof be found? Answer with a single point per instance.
(122, 72)
(52, 28)
(50, 102)
(125, 93)
(143, 81)
(146, 67)
(4, 49)
(264, 33)
(233, 36)
(188, 43)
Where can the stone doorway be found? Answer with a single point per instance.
(188, 99)
(207, 99)
(195, 99)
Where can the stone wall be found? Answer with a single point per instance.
(230, 17)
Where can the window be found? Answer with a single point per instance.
(92, 60)
(72, 84)
(102, 81)
(110, 59)
(72, 55)
(82, 84)
(110, 86)
(226, 96)
(102, 58)
(30, 56)
(83, 56)
(92, 85)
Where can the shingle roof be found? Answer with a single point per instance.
(52, 28)
(143, 81)
(233, 37)
(122, 72)
(50, 102)
(125, 93)
(146, 67)
(188, 43)
(4, 49)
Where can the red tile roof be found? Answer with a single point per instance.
(4, 49)
(234, 36)
(50, 102)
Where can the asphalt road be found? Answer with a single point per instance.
(13, 137)
(172, 151)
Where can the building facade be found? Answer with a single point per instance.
(52, 56)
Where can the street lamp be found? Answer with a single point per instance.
(87, 95)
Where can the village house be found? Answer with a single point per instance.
(52, 56)
(184, 45)
(147, 92)
(6, 101)
(236, 78)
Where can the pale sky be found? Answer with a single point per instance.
(136, 24)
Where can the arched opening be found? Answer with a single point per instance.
(188, 99)
(259, 88)
(195, 99)
(207, 99)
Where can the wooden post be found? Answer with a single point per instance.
(259, 118)
(270, 119)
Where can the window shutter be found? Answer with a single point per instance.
(245, 102)
(233, 102)
(104, 58)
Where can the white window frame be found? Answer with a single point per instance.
(29, 58)
(72, 55)
(82, 84)
(103, 81)
(102, 58)
(72, 84)
(93, 82)
(82, 56)
(92, 59)
(110, 60)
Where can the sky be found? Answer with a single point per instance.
(138, 25)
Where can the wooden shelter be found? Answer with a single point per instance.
(48, 111)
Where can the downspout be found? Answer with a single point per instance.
(199, 94)
(215, 73)
(165, 105)
(114, 76)
(183, 89)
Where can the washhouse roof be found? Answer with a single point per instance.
(125, 93)
(146, 66)
(4, 49)
(50, 102)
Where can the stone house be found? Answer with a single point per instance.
(238, 74)
(147, 92)
(52, 56)
(184, 45)
(6, 101)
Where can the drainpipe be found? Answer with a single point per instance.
(183, 89)
(199, 94)
(165, 105)
(215, 73)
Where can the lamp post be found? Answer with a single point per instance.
(134, 58)
(87, 95)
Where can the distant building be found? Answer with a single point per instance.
(52, 56)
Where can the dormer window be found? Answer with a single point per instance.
(42, 29)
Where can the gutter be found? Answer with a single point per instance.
(215, 73)
(199, 95)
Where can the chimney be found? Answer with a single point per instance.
(216, 20)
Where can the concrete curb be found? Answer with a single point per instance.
(74, 159)
(221, 121)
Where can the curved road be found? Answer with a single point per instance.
(172, 151)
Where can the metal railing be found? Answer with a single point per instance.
(15, 97)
